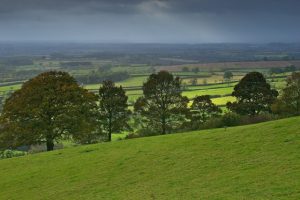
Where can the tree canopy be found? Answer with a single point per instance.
(254, 95)
(203, 109)
(289, 101)
(48, 108)
(228, 75)
(114, 113)
(162, 107)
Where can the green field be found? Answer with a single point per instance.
(10, 87)
(133, 81)
(249, 162)
(190, 91)
(223, 100)
(208, 82)
(219, 91)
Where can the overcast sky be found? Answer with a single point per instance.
(161, 21)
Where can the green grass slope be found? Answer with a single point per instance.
(259, 161)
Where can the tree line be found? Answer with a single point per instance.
(52, 107)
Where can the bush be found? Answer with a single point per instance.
(231, 119)
(212, 123)
(11, 153)
(131, 136)
(257, 118)
(145, 132)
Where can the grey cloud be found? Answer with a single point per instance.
(151, 20)
(185, 6)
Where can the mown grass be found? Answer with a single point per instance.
(249, 162)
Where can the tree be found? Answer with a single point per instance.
(227, 75)
(48, 108)
(195, 70)
(114, 113)
(162, 107)
(193, 81)
(253, 94)
(185, 69)
(289, 102)
(291, 68)
(276, 70)
(203, 109)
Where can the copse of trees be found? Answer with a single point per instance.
(254, 95)
(99, 76)
(196, 70)
(277, 70)
(289, 101)
(162, 108)
(185, 69)
(48, 108)
(113, 107)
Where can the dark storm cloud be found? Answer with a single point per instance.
(15, 6)
(238, 6)
(137, 20)
(181, 6)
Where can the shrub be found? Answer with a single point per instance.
(257, 119)
(132, 136)
(11, 153)
(212, 123)
(231, 119)
(145, 132)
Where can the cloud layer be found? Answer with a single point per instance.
(188, 21)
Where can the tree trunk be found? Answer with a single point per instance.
(109, 136)
(109, 128)
(163, 121)
(50, 144)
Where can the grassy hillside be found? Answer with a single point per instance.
(251, 162)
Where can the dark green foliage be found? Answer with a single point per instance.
(162, 108)
(228, 75)
(185, 69)
(114, 113)
(195, 70)
(99, 76)
(231, 119)
(194, 81)
(276, 70)
(289, 102)
(10, 154)
(46, 109)
(203, 109)
(254, 95)
(132, 136)
(291, 68)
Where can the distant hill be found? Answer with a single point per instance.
(259, 161)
